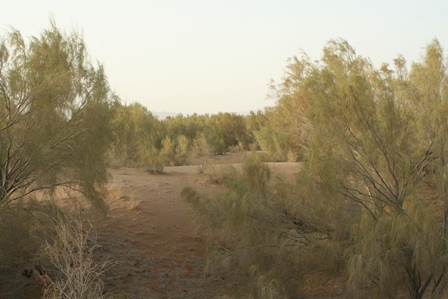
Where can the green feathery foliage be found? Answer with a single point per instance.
(54, 117)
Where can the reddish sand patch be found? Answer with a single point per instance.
(148, 235)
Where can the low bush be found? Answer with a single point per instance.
(252, 231)
(46, 254)
(70, 254)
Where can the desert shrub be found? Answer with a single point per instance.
(201, 152)
(174, 152)
(23, 226)
(219, 174)
(73, 271)
(373, 141)
(55, 111)
(182, 150)
(55, 116)
(251, 232)
(274, 141)
(168, 151)
(135, 130)
(149, 156)
(43, 250)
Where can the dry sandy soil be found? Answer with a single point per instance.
(149, 237)
(154, 250)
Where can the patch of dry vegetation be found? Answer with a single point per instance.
(46, 253)
(73, 271)
(251, 233)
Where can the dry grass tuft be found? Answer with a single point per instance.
(71, 254)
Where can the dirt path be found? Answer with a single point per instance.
(149, 237)
(154, 250)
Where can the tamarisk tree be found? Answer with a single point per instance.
(54, 116)
(377, 138)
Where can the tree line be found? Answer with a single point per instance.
(141, 139)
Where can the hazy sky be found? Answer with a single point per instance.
(207, 56)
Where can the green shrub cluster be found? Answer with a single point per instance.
(259, 231)
(371, 200)
(141, 139)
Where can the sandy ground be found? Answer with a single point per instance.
(154, 250)
(149, 237)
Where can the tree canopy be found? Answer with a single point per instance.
(54, 116)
